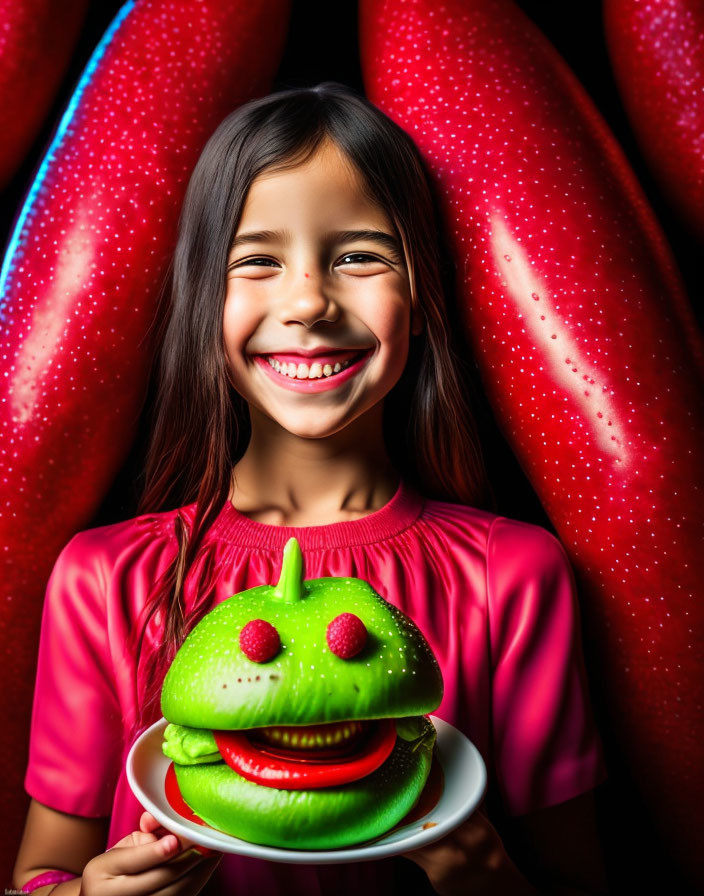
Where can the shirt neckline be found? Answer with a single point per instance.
(398, 514)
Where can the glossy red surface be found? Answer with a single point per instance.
(176, 800)
(302, 770)
(259, 641)
(346, 635)
(36, 40)
(81, 290)
(588, 351)
(657, 53)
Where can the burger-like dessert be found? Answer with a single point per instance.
(297, 712)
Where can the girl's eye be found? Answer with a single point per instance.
(258, 261)
(360, 258)
(351, 258)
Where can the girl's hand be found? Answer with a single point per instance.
(471, 859)
(150, 825)
(148, 861)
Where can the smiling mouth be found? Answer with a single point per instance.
(314, 370)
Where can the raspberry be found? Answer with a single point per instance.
(259, 641)
(346, 635)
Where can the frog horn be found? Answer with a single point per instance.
(290, 585)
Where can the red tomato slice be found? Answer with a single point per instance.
(174, 798)
(181, 807)
(270, 770)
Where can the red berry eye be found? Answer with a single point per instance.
(346, 635)
(259, 641)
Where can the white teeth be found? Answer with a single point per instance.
(339, 733)
(303, 372)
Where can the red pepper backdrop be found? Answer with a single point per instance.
(575, 223)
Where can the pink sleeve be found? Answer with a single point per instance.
(76, 734)
(546, 747)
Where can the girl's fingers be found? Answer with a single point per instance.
(136, 838)
(159, 856)
(136, 871)
(149, 824)
(141, 857)
(147, 864)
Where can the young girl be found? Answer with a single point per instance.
(308, 386)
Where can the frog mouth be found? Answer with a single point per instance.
(304, 757)
(332, 739)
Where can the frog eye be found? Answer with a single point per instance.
(259, 641)
(346, 635)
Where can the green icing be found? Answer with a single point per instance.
(190, 746)
(212, 684)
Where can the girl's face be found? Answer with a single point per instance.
(318, 312)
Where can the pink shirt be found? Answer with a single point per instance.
(494, 597)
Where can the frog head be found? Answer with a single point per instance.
(306, 700)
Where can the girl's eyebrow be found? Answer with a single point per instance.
(375, 236)
(260, 236)
(386, 240)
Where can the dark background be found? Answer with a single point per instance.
(635, 860)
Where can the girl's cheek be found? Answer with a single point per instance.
(392, 325)
(241, 316)
(384, 309)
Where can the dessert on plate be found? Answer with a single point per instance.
(297, 712)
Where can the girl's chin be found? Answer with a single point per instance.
(313, 429)
(309, 423)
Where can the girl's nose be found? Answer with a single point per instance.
(307, 300)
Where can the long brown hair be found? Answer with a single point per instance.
(201, 424)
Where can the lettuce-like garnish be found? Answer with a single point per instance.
(190, 746)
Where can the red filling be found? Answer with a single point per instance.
(302, 769)
(176, 801)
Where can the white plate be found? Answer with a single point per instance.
(465, 780)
